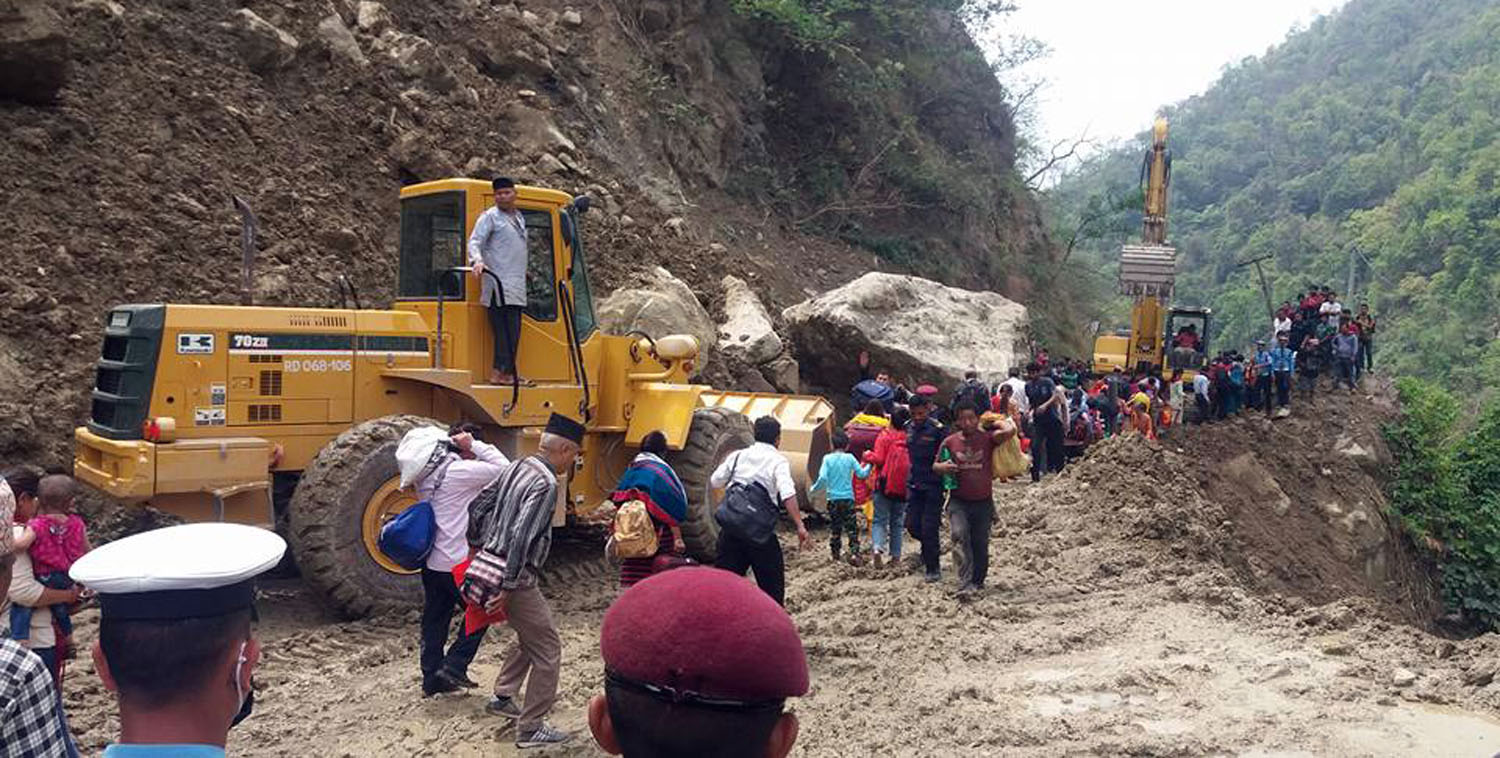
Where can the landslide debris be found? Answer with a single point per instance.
(694, 127)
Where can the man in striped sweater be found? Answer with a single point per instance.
(516, 525)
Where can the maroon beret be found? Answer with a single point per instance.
(705, 631)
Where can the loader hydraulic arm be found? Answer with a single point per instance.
(1156, 174)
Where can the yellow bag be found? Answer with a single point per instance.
(635, 534)
(1007, 460)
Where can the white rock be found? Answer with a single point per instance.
(340, 40)
(372, 17)
(549, 164)
(918, 330)
(747, 330)
(659, 304)
(264, 47)
(1403, 677)
(533, 132)
(572, 18)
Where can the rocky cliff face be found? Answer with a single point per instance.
(713, 144)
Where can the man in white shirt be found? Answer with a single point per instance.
(760, 463)
(1018, 389)
(1200, 395)
(447, 470)
(498, 246)
(1331, 307)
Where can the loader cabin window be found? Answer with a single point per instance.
(583, 301)
(433, 240)
(1188, 334)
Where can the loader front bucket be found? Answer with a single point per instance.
(806, 427)
(1148, 271)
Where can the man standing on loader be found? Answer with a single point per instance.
(498, 246)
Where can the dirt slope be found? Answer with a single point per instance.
(693, 126)
(1117, 622)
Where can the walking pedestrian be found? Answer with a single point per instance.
(760, 464)
(651, 481)
(1283, 363)
(1201, 389)
(44, 639)
(1046, 424)
(447, 469)
(1345, 355)
(892, 469)
(504, 577)
(971, 510)
(1264, 377)
(498, 246)
(924, 487)
(836, 474)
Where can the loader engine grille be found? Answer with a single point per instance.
(126, 370)
(263, 413)
(270, 383)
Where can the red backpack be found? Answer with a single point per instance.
(895, 469)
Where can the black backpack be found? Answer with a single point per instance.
(973, 392)
(747, 510)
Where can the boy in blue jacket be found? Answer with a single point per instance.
(837, 476)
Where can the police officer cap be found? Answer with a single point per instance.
(188, 571)
(703, 636)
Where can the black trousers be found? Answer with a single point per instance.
(439, 599)
(1046, 447)
(765, 559)
(505, 322)
(924, 508)
(1283, 388)
(969, 523)
(1263, 391)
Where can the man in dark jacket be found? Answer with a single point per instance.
(924, 486)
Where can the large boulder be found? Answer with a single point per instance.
(340, 40)
(747, 330)
(658, 304)
(33, 52)
(262, 45)
(918, 330)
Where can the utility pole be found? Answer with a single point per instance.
(1265, 288)
(1349, 290)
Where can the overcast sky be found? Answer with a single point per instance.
(1114, 62)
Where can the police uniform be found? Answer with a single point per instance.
(180, 572)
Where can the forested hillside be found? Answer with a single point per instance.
(1372, 134)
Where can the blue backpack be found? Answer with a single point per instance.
(868, 390)
(407, 538)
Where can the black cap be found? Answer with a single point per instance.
(566, 428)
(502, 182)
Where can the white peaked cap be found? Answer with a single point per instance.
(188, 571)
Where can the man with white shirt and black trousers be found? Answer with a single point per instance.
(762, 464)
(451, 468)
(498, 245)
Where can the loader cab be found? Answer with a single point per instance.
(436, 219)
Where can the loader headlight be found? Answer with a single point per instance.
(119, 319)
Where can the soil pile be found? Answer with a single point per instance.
(690, 124)
(1292, 510)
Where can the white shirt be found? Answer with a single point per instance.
(1200, 384)
(758, 463)
(450, 504)
(1281, 325)
(1331, 306)
(1018, 393)
(499, 242)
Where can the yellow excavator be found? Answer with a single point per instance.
(288, 418)
(1161, 337)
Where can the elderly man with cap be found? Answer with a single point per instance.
(697, 664)
(175, 642)
(31, 716)
(514, 517)
(447, 469)
(498, 246)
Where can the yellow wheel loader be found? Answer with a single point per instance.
(288, 418)
(1148, 275)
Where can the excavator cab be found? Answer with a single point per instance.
(1187, 339)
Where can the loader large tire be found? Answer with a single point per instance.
(714, 434)
(352, 479)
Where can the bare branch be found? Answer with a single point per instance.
(1058, 157)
